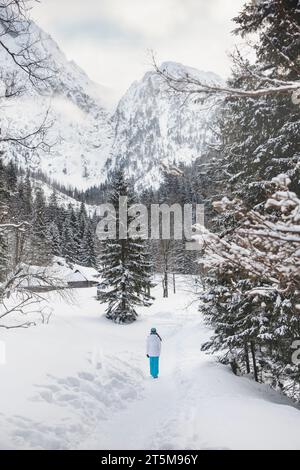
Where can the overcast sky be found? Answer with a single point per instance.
(109, 39)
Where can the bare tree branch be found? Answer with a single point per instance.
(192, 86)
(22, 45)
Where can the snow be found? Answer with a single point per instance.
(59, 272)
(90, 274)
(75, 277)
(82, 382)
(82, 273)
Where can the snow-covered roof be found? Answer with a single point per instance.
(89, 274)
(75, 277)
(59, 273)
(36, 276)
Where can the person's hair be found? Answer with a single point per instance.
(154, 332)
(158, 335)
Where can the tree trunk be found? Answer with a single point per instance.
(247, 358)
(123, 255)
(17, 247)
(165, 284)
(165, 247)
(252, 346)
(174, 284)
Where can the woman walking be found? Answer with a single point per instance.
(153, 352)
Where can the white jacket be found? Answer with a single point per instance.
(153, 345)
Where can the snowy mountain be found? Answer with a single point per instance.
(63, 200)
(153, 126)
(87, 139)
(80, 123)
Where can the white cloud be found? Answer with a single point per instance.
(110, 38)
(152, 19)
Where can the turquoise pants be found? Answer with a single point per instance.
(154, 361)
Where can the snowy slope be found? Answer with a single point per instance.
(154, 125)
(83, 382)
(63, 200)
(81, 129)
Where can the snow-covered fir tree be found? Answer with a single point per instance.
(54, 239)
(26, 198)
(87, 254)
(82, 221)
(251, 294)
(251, 261)
(261, 135)
(52, 209)
(69, 245)
(28, 194)
(3, 257)
(3, 218)
(40, 249)
(124, 264)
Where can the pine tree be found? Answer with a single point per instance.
(250, 294)
(40, 249)
(54, 239)
(262, 135)
(262, 138)
(74, 227)
(87, 247)
(11, 174)
(69, 245)
(251, 270)
(95, 220)
(84, 238)
(52, 209)
(27, 198)
(3, 258)
(125, 266)
(82, 221)
(61, 216)
(4, 211)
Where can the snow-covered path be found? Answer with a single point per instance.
(199, 404)
(83, 382)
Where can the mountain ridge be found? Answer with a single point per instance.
(148, 126)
